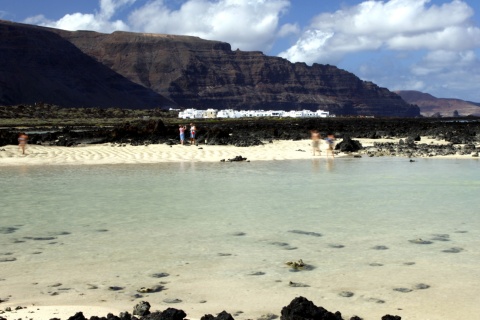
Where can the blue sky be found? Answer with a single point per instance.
(428, 45)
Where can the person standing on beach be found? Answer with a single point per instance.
(182, 129)
(22, 141)
(315, 135)
(331, 143)
(193, 131)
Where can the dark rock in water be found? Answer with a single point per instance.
(174, 300)
(390, 317)
(160, 275)
(297, 285)
(169, 314)
(307, 233)
(78, 316)
(346, 294)
(420, 241)
(221, 316)
(301, 309)
(7, 230)
(237, 158)
(141, 309)
(421, 286)
(349, 145)
(453, 250)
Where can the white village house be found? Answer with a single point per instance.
(230, 113)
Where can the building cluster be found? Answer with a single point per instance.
(230, 113)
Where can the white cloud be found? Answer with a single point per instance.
(379, 25)
(248, 25)
(442, 61)
(288, 29)
(100, 21)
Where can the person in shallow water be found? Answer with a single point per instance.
(315, 135)
(22, 141)
(330, 139)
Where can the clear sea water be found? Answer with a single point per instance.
(99, 233)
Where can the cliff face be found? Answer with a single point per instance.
(196, 73)
(37, 65)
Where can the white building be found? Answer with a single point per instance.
(191, 114)
(230, 113)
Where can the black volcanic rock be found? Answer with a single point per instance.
(37, 65)
(301, 308)
(85, 68)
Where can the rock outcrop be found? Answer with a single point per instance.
(189, 71)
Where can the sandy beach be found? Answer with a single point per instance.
(126, 154)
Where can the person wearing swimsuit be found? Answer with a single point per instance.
(182, 133)
(193, 131)
(22, 141)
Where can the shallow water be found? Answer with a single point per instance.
(227, 229)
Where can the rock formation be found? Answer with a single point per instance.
(189, 71)
(37, 65)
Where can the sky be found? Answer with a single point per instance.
(431, 46)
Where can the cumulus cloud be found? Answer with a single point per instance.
(245, 24)
(248, 25)
(101, 21)
(380, 25)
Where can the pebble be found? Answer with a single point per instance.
(453, 250)
(268, 316)
(160, 275)
(172, 300)
(376, 300)
(336, 246)
(404, 290)
(238, 234)
(375, 264)
(420, 241)
(307, 233)
(298, 285)
(380, 248)
(346, 294)
(115, 288)
(421, 286)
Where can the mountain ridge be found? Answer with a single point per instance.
(190, 72)
(430, 105)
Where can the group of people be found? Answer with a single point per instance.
(193, 131)
(329, 140)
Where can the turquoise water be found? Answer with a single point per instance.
(214, 225)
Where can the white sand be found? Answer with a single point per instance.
(107, 154)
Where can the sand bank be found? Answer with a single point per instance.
(155, 153)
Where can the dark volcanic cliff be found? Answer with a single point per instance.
(37, 65)
(204, 74)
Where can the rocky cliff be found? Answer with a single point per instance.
(37, 65)
(196, 73)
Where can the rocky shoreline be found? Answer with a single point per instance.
(462, 134)
(299, 308)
